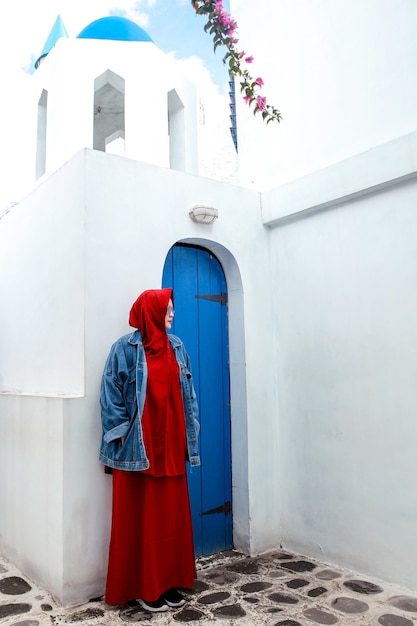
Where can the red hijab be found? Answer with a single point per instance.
(148, 316)
(163, 416)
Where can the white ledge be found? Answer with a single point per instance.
(40, 394)
(363, 174)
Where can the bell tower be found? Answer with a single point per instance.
(112, 89)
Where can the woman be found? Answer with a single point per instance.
(149, 416)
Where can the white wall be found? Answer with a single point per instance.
(344, 276)
(132, 213)
(31, 495)
(41, 364)
(342, 74)
(341, 168)
(42, 287)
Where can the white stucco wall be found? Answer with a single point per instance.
(42, 287)
(342, 74)
(41, 365)
(31, 494)
(344, 276)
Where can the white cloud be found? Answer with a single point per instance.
(25, 25)
(194, 68)
(133, 14)
(138, 10)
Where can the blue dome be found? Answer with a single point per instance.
(116, 28)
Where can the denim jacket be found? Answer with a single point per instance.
(123, 391)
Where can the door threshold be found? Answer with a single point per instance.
(219, 558)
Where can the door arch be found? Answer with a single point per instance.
(201, 320)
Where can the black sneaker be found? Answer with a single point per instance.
(158, 606)
(173, 598)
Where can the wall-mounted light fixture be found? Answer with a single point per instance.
(203, 214)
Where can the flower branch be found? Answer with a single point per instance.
(222, 27)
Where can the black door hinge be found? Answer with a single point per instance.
(224, 508)
(218, 297)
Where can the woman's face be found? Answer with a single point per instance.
(169, 315)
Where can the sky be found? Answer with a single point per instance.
(25, 25)
(172, 24)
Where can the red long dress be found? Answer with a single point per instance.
(151, 546)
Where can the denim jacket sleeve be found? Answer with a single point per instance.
(193, 395)
(115, 417)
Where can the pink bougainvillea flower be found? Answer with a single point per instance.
(231, 27)
(261, 103)
(227, 22)
(223, 27)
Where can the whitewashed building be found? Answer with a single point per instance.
(318, 247)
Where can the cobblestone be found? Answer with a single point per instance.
(276, 589)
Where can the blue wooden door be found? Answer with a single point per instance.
(200, 303)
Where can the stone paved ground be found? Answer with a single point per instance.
(277, 589)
